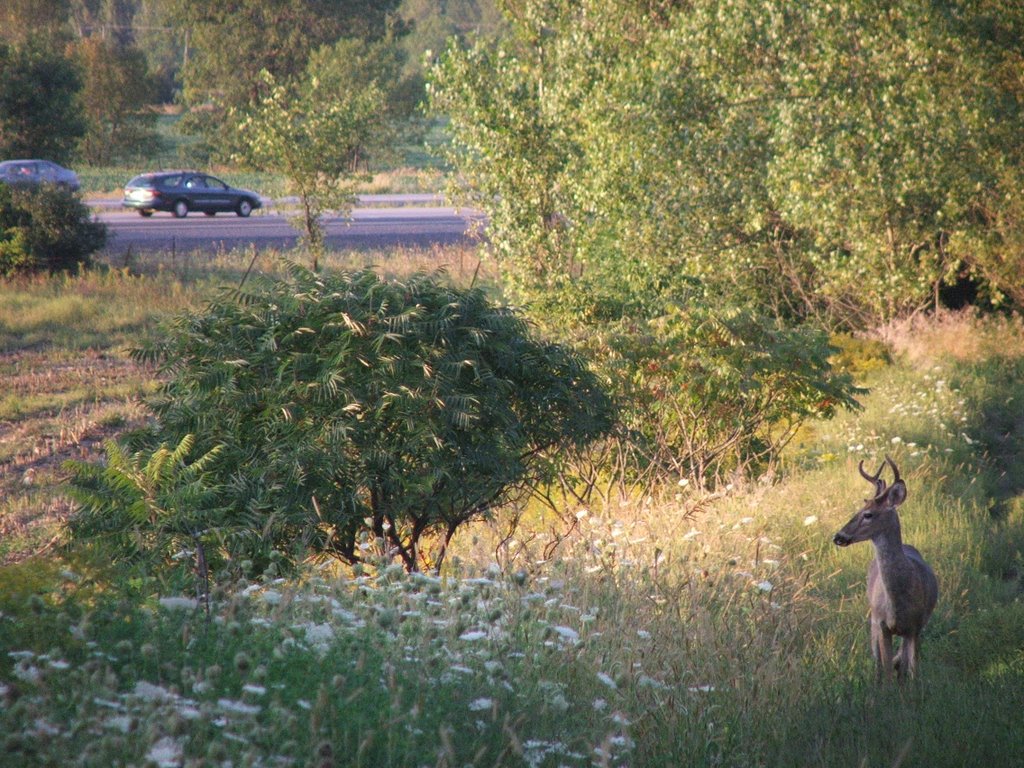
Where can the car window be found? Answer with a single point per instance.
(215, 183)
(196, 182)
(171, 181)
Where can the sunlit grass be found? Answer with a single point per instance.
(664, 629)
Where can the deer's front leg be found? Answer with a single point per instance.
(881, 649)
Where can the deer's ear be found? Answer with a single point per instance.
(897, 493)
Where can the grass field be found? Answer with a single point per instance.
(671, 629)
(413, 167)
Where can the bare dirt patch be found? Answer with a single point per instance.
(52, 410)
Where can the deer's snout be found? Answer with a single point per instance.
(842, 540)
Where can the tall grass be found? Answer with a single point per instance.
(670, 629)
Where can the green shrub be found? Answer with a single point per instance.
(712, 392)
(45, 229)
(346, 416)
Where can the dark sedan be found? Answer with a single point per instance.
(182, 191)
(33, 173)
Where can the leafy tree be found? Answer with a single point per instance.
(621, 151)
(311, 132)
(231, 43)
(115, 98)
(24, 20)
(786, 156)
(45, 229)
(347, 416)
(39, 114)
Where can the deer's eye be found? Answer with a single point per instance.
(868, 515)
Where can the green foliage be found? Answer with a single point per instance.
(742, 160)
(149, 507)
(784, 154)
(116, 94)
(39, 114)
(311, 132)
(45, 229)
(351, 414)
(232, 43)
(859, 356)
(713, 393)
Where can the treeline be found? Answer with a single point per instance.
(80, 79)
(695, 192)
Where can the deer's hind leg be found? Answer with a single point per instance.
(906, 660)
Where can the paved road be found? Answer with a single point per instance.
(369, 228)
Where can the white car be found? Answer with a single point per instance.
(33, 173)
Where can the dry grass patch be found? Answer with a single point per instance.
(964, 336)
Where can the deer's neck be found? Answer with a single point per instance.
(894, 565)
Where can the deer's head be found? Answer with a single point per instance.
(879, 512)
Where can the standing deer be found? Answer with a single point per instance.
(902, 589)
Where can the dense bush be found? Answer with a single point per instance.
(45, 229)
(339, 416)
(709, 395)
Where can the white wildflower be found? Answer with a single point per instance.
(472, 635)
(567, 634)
(607, 680)
(896, 440)
(702, 689)
(178, 603)
(765, 586)
(149, 692)
(693, 534)
(481, 705)
(166, 753)
(319, 636)
(810, 520)
(122, 723)
(45, 728)
(255, 690)
(28, 673)
(238, 707)
(646, 681)
(272, 597)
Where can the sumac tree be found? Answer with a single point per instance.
(348, 416)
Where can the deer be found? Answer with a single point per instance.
(902, 588)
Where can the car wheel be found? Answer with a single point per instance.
(244, 208)
(181, 209)
(145, 212)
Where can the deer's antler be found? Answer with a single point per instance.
(876, 478)
(895, 471)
